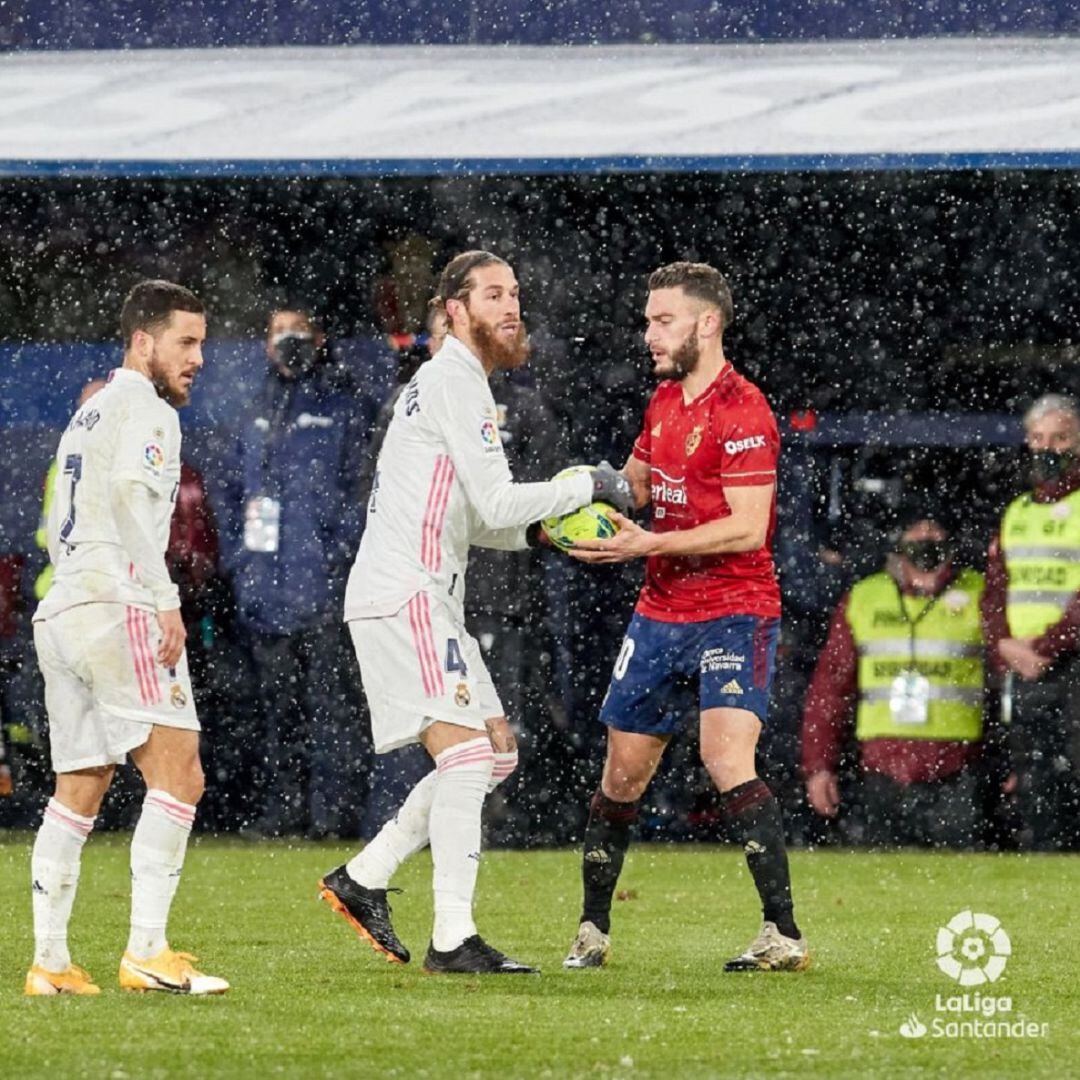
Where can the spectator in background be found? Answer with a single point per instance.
(904, 661)
(1031, 610)
(294, 514)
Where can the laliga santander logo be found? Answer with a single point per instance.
(973, 948)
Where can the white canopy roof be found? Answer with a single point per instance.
(940, 103)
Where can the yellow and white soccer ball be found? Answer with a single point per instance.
(592, 522)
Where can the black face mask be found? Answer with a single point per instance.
(925, 555)
(1045, 466)
(297, 353)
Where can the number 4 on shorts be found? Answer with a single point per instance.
(454, 660)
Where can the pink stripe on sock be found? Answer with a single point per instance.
(57, 811)
(470, 747)
(183, 809)
(475, 758)
(178, 811)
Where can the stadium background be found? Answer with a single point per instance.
(901, 235)
(899, 304)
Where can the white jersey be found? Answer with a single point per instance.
(122, 438)
(442, 483)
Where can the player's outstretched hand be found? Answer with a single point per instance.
(173, 636)
(612, 487)
(630, 542)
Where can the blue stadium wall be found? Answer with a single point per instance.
(136, 24)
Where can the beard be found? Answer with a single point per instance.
(172, 392)
(499, 355)
(684, 360)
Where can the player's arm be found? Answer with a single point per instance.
(133, 512)
(744, 529)
(480, 464)
(638, 473)
(139, 480)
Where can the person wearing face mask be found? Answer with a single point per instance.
(292, 516)
(903, 666)
(1031, 614)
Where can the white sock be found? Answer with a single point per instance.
(461, 781)
(407, 831)
(54, 873)
(505, 764)
(403, 835)
(157, 855)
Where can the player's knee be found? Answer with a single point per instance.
(623, 786)
(728, 771)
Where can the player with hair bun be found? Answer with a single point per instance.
(442, 484)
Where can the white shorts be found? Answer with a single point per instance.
(418, 666)
(104, 689)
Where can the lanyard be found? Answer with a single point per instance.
(913, 623)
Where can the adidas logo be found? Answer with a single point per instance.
(597, 855)
(731, 687)
(39, 888)
(754, 848)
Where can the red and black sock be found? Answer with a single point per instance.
(607, 836)
(756, 821)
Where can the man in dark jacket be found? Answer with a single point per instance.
(294, 519)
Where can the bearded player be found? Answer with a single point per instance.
(110, 643)
(442, 483)
(709, 610)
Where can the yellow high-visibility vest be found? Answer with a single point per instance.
(1041, 546)
(44, 579)
(948, 653)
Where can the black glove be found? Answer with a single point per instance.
(613, 488)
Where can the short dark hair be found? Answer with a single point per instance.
(151, 303)
(456, 279)
(699, 280)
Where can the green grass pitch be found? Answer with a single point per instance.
(309, 998)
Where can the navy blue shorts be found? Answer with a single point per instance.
(730, 660)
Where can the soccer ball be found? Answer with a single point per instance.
(592, 522)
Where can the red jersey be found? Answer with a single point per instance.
(725, 437)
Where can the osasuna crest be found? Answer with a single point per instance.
(693, 440)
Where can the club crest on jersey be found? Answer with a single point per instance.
(153, 458)
(462, 697)
(693, 440)
(177, 696)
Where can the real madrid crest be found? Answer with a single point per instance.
(177, 696)
(693, 440)
(461, 695)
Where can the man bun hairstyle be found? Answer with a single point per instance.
(151, 303)
(699, 280)
(456, 279)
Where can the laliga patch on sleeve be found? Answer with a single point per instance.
(153, 459)
(489, 436)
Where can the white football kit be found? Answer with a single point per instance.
(442, 483)
(96, 635)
